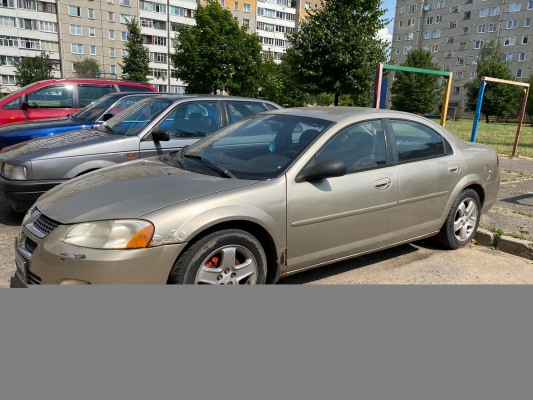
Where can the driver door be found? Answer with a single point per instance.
(185, 124)
(49, 102)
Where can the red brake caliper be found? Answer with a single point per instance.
(212, 263)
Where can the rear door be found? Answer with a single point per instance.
(185, 124)
(428, 171)
(54, 101)
(89, 93)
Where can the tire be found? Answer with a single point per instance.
(219, 259)
(461, 223)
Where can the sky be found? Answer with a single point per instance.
(390, 5)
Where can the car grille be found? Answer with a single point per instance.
(30, 245)
(45, 225)
(33, 279)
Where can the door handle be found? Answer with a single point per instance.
(382, 184)
(454, 168)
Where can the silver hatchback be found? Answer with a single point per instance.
(271, 195)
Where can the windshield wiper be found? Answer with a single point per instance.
(212, 164)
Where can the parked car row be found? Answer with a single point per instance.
(223, 190)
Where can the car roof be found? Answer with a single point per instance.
(92, 80)
(176, 97)
(334, 114)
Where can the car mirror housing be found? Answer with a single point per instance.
(328, 168)
(25, 106)
(160, 136)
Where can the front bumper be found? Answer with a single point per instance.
(51, 261)
(25, 191)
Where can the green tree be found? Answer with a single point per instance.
(33, 69)
(500, 100)
(136, 65)
(414, 92)
(336, 48)
(217, 55)
(279, 85)
(86, 67)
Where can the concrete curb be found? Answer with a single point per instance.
(507, 244)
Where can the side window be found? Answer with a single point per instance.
(360, 146)
(130, 88)
(124, 103)
(415, 141)
(89, 93)
(12, 105)
(52, 97)
(242, 109)
(192, 120)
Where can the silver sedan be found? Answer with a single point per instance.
(271, 195)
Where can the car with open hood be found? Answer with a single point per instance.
(271, 195)
(92, 116)
(153, 126)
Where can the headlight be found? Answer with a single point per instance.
(29, 214)
(15, 172)
(121, 234)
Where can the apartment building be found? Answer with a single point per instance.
(75, 29)
(26, 28)
(455, 31)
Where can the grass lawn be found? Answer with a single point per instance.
(499, 135)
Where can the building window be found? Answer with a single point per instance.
(429, 20)
(455, 9)
(518, 73)
(427, 35)
(473, 75)
(123, 36)
(246, 7)
(462, 45)
(457, 76)
(435, 48)
(521, 57)
(92, 32)
(112, 35)
(493, 27)
(9, 61)
(112, 53)
(456, 90)
(525, 39)
(451, 39)
(436, 34)
(76, 48)
(125, 3)
(74, 11)
(110, 16)
(478, 44)
(481, 28)
(514, 7)
(530, 5)
(46, 26)
(460, 61)
(512, 24)
(527, 23)
(399, 37)
(508, 57)
(47, 7)
(93, 50)
(412, 8)
(400, 24)
(411, 22)
(90, 13)
(464, 31)
(495, 11)
(397, 50)
(509, 41)
(76, 30)
(245, 22)
(236, 6)
(467, 15)
(125, 18)
(9, 80)
(474, 60)
(113, 69)
(407, 49)
(484, 12)
(9, 22)
(453, 24)
(409, 36)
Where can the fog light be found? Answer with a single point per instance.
(73, 282)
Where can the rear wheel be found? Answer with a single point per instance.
(228, 257)
(462, 221)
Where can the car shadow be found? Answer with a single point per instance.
(15, 282)
(351, 264)
(7, 215)
(517, 199)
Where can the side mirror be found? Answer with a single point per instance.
(160, 136)
(328, 168)
(25, 106)
(107, 116)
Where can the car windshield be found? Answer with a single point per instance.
(259, 147)
(133, 120)
(95, 109)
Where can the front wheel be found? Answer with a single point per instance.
(228, 257)
(462, 221)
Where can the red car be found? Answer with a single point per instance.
(56, 98)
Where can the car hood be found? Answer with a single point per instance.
(39, 125)
(48, 146)
(129, 191)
